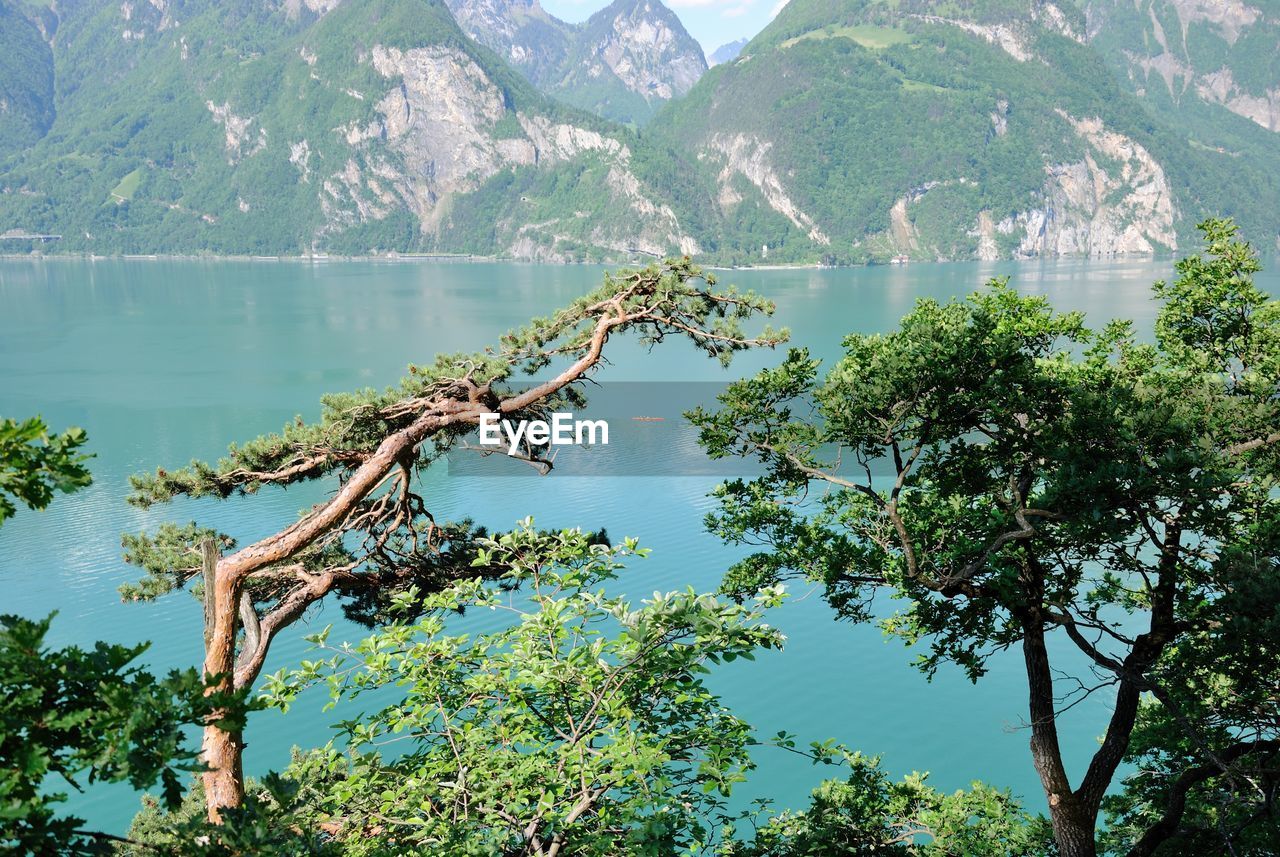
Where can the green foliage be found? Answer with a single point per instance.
(35, 464)
(1205, 753)
(70, 716)
(265, 825)
(1008, 473)
(674, 298)
(869, 814)
(1214, 315)
(26, 80)
(170, 557)
(581, 726)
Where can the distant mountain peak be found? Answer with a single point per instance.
(726, 52)
(647, 47)
(520, 31)
(623, 63)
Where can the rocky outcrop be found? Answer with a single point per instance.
(1116, 200)
(1220, 87)
(436, 138)
(521, 32)
(1015, 36)
(1009, 37)
(621, 63)
(645, 46)
(293, 8)
(1166, 29)
(748, 156)
(240, 142)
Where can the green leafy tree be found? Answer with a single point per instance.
(1010, 475)
(34, 464)
(267, 823)
(1208, 755)
(69, 717)
(581, 727)
(374, 536)
(869, 814)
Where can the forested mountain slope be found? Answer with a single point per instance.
(26, 76)
(1183, 55)
(856, 130)
(244, 127)
(846, 131)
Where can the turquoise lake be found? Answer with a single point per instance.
(162, 361)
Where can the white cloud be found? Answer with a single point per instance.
(736, 11)
(777, 8)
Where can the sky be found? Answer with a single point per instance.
(712, 22)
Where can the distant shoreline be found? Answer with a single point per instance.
(475, 258)
(398, 257)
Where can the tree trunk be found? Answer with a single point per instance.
(1073, 821)
(222, 749)
(1073, 830)
(223, 752)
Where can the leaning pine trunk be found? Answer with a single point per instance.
(222, 749)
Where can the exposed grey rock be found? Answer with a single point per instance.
(622, 63)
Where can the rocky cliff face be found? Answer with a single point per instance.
(1116, 200)
(342, 127)
(645, 46)
(1217, 51)
(521, 32)
(439, 135)
(622, 63)
(850, 132)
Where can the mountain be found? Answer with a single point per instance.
(726, 52)
(1184, 55)
(521, 32)
(631, 57)
(26, 77)
(246, 127)
(858, 131)
(623, 63)
(846, 131)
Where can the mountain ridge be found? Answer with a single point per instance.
(844, 132)
(726, 52)
(622, 63)
(341, 127)
(861, 131)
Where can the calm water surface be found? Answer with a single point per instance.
(165, 361)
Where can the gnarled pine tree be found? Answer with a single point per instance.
(375, 534)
